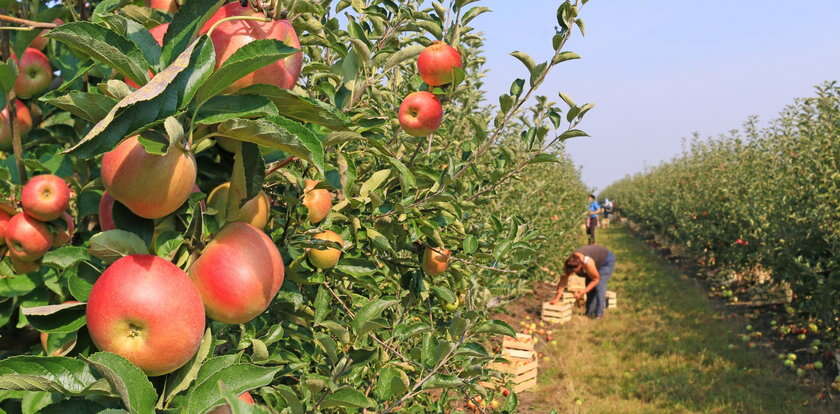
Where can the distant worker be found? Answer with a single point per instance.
(596, 264)
(608, 211)
(592, 218)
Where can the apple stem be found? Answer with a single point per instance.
(227, 19)
(32, 24)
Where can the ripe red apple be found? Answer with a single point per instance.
(64, 236)
(146, 310)
(436, 260)
(238, 273)
(4, 222)
(225, 409)
(40, 42)
(151, 186)
(23, 124)
(229, 36)
(45, 197)
(325, 258)
(169, 6)
(106, 212)
(255, 211)
(159, 31)
(317, 201)
(437, 64)
(420, 114)
(34, 74)
(23, 267)
(27, 239)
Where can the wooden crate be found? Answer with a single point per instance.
(612, 300)
(559, 313)
(523, 373)
(576, 283)
(521, 347)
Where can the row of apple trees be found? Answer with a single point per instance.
(762, 203)
(376, 332)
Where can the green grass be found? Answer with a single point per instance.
(667, 349)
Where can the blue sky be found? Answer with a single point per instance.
(660, 70)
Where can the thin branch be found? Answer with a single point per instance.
(31, 23)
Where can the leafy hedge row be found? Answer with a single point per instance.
(767, 197)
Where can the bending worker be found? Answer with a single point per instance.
(596, 264)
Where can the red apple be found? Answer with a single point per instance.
(23, 124)
(325, 258)
(225, 409)
(255, 211)
(45, 197)
(151, 186)
(437, 64)
(4, 222)
(230, 36)
(238, 273)
(420, 114)
(317, 201)
(106, 212)
(22, 267)
(27, 239)
(158, 32)
(40, 42)
(34, 74)
(436, 260)
(146, 310)
(169, 6)
(64, 236)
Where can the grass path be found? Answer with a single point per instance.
(667, 349)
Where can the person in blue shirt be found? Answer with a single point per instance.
(592, 218)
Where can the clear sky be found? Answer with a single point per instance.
(659, 70)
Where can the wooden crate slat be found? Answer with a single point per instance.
(516, 353)
(525, 386)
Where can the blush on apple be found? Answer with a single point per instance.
(45, 197)
(255, 211)
(436, 260)
(34, 74)
(27, 239)
(40, 42)
(318, 201)
(225, 409)
(146, 310)
(437, 64)
(420, 114)
(23, 124)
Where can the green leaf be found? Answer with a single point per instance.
(8, 74)
(227, 107)
(245, 60)
(543, 157)
(572, 133)
(168, 243)
(288, 395)
(526, 60)
(137, 34)
(391, 382)
(443, 381)
(444, 293)
(496, 327)
(356, 267)
(564, 56)
(407, 179)
(79, 407)
(16, 285)
(53, 374)
(103, 46)
(369, 312)
(239, 378)
(181, 379)
(89, 106)
(294, 106)
(186, 24)
(567, 99)
(65, 257)
(280, 133)
(516, 87)
(402, 55)
(34, 402)
(64, 318)
(473, 13)
(347, 397)
(127, 380)
(505, 103)
(470, 244)
(322, 304)
(111, 245)
(379, 240)
(80, 280)
(372, 183)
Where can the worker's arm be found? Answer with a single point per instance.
(561, 287)
(594, 279)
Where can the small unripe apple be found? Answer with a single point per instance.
(45, 197)
(34, 74)
(146, 310)
(326, 258)
(230, 36)
(420, 114)
(451, 306)
(225, 409)
(27, 239)
(23, 124)
(238, 273)
(436, 260)
(437, 64)
(318, 201)
(255, 211)
(151, 186)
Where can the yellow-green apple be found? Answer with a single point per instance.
(34, 73)
(255, 211)
(436, 260)
(151, 186)
(45, 197)
(169, 6)
(40, 42)
(225, 409)
(326, 258)
(318, 201)
(23, 124)
(4, 221)
(146, 310)
(64, 231)
(27, 239)
(238, 273)
(437, 64)
(106, 212)
(230, 36)
(420, 114)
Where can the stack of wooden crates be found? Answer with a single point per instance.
(522, 362)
